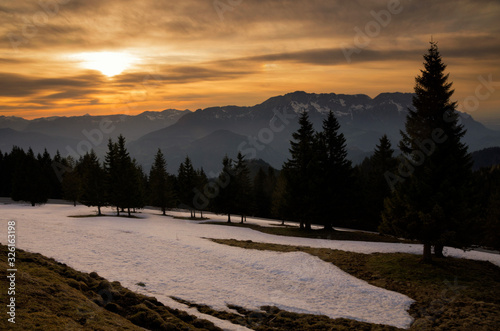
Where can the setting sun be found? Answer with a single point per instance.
(108, 63)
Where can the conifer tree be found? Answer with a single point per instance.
(375, 188)
(299, 170)
(122, 178)
(430, 205)
(160, 189)
(224, 201)
(243, 197)
(187, 181)
(71, 180)
(279, 205)
(92, 177)
(258, 193)
(334, 179)
(28, 182)
(201, 182)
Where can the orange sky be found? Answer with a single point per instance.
(72, 57)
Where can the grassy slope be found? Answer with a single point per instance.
(53, 296)
(294, 231)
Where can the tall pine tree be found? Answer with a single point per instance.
(299, 170)
(335, 177)
(187, 182)
(430, 204)
(92, 177)
(161, 193)
(243, 198)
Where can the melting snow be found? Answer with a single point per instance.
(173, 258)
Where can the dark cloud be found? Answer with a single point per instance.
(15, 85)
(179, 75)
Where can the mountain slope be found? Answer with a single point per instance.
(271, 124)
(34, 140)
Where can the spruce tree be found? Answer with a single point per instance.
(334, 179)
(29, 183)
(92, 177)
(261, 199)
(243, 197)
(224, 201)
(71, 180)
(122, 179)
(186, 180)
(373, 172)
(280, 199)
(299, 170)
(430, 204)
(160, 194)
(201, 182)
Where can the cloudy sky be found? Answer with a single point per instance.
(72, 57)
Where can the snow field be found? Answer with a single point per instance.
(173, 258)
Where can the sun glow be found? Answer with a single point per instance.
(108, 63)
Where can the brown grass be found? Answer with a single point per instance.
(53, 296)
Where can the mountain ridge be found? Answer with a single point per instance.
(260, 131)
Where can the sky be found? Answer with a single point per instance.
(76, 57)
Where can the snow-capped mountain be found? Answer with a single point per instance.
(266, 129)
(206, 135)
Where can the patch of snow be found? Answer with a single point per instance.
(357, 107)
(320, 109)
(173, 258)
(342, 102)
(299, 107)
(400, 108)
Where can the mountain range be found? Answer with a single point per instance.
(262, 131)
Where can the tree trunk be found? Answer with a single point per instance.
(307, 226)
(164, 211)
(32, 204)
(283, 222)
(117, 211)
(241, 219)
(229, 218)
(438, 251)
(99, 211)
(301, 225)
(128, 210)
(427, 257)
(201, 213)
(74, 203)
(328, 227)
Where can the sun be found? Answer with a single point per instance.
(108, 63)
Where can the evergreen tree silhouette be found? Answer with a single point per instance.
(430, 205)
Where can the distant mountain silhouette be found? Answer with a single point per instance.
(271, 124)
(261, 131)
(486, 157)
